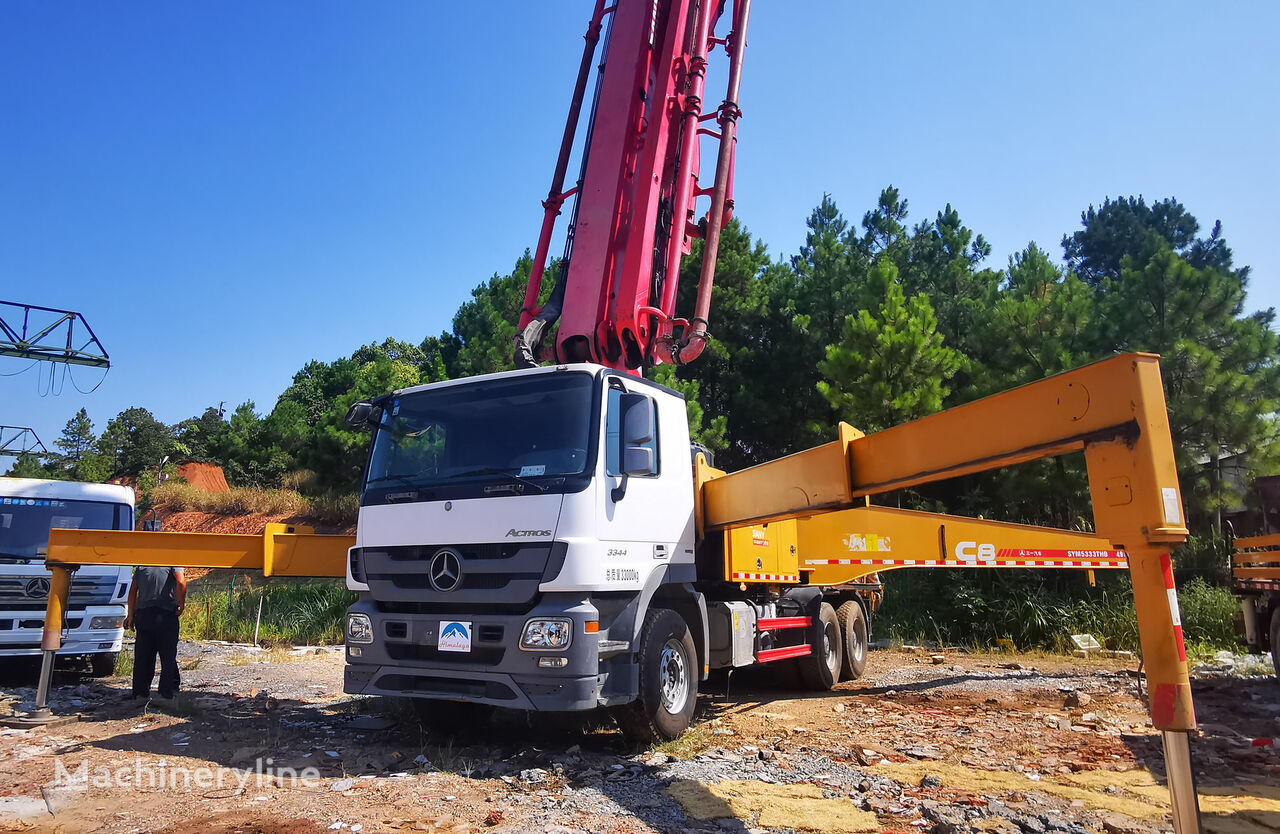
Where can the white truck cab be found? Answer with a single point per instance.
(29, 509)
(509, 542)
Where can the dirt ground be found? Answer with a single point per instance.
(265, 742)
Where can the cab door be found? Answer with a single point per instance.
(647, 497)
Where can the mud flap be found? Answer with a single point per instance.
(805, 602)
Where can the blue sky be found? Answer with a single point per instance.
(228, 190)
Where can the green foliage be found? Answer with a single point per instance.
(889, 366)
(710, 434)
(1209, 615)
(148, 481)
(1042, 321)
(135, 441)
(337, 453)
(248, 450)
(1127, 228)
(1220, 369)
(1035, 610)
(77, 441)
(752, 339)
(1207, 558)
(310, 614)
(484, 328)
(29, 466)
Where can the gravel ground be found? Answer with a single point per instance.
(1023, 745)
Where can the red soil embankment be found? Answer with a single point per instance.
(205, 476)
(253, 525)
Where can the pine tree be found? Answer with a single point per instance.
(1221, 367)
(890, 366)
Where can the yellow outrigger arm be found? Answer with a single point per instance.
(282, 550)
(810, 515)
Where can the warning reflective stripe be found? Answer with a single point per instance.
(1175, 614)
(1256, 585)
(1048, 559)
(766, 577)
(1174, 610)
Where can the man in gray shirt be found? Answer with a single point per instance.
(157, 598)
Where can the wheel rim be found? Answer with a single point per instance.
(830, 638)
(859, 647)
(673, 672)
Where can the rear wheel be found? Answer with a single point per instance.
(820, 670)
(1275, 640)
(103, 665)
(668, 681)
(853, 629)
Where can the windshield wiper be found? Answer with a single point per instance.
(403, 479)
(494, 470)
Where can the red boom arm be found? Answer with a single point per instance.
(634, 203)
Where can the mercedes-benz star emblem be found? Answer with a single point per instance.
(38, 588)
(445, 571)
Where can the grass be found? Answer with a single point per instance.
(1028, 612)
(696, 740)
(311, 613)
(237, 501)
(124, 664)
(328, 508)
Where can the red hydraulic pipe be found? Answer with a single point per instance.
(694, 339)
(688, 154)
(555, 198)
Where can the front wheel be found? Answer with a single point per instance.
(103, 665)
(668, 681)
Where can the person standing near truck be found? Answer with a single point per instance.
(157, 597)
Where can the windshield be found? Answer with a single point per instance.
(524, 428)
(25, 522)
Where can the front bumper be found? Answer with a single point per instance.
(403, 659)
(21, 631)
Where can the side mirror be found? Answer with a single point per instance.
(637, 460)
(360, 416)
(639, 425)
(637, 419)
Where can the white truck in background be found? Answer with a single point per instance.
(93, 626)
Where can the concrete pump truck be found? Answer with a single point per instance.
(550, 538)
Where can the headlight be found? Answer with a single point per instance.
(106, 622)
(543, 635)
(359, 628)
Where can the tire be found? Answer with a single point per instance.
(1274, 634)
(819, 671)
(451, 718)
(668, 681)
(103, 664)
(854, 632)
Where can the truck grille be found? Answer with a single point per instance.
(507, 574)
(87, 590)
(415, 653)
